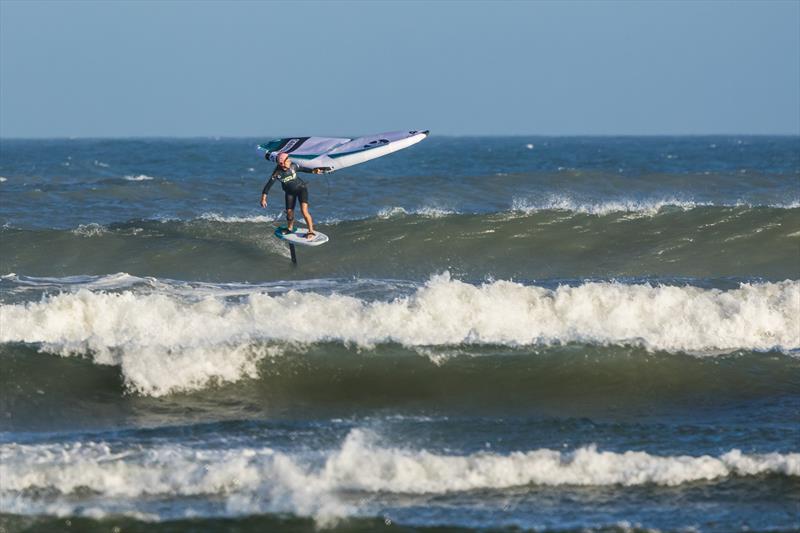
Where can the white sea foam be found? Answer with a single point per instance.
(389, 212)
(2, 179)
(140, 177)
(642, 207)
(434, 212)
(90, 230)
(427, 212)
(565, 203)
(119, 280)
(316, 483)
(166, 342)
(275, 216)
(786, 204)
(192, 290)
(216, 217)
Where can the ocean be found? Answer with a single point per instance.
(503, 333)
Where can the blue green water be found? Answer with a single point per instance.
(548, 334)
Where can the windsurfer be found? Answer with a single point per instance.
(294, 187)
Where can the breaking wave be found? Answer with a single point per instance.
(644, 207)
(174, 340)
(569, 204)
(327, 484)
(216, 217)
(424, 212)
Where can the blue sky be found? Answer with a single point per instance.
(111, 69)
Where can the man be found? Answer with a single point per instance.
(294, 187)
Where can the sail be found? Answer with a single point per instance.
(334, 153)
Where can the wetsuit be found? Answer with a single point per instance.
(292, 185)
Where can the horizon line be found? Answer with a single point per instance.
(459, 135)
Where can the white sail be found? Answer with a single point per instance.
(332, 153)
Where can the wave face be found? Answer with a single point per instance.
(700, 242)
(165, 341)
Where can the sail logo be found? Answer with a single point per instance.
(379, 142)
(289, 145)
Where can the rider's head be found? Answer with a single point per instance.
(283, 159)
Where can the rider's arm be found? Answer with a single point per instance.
(267, 185)
(316, 170)
(272, 179)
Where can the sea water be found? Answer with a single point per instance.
(545, 333)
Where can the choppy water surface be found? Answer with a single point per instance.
(553, 334)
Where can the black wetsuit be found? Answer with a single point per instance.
(292, 185)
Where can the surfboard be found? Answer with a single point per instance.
(333, 153)
(298, 236)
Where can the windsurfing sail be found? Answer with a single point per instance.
(332, 153)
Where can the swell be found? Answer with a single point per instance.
(47, 392)
(700, 241)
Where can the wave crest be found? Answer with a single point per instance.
(316, 483)
(641, 207)
(166, 342)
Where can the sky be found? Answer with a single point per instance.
(205, 68)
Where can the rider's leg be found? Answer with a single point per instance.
(290, 203)
(307, 216)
